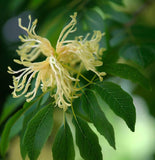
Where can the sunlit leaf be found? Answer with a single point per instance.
(87, 141)
(98, 118)
(118, 100)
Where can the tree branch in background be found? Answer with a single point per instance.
(138, 12)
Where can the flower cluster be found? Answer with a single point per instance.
(57, 70)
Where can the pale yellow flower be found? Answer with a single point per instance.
(49, 74)
(54, 72)
(81, 49)
(33, 45)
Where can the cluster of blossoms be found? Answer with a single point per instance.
(55, 72)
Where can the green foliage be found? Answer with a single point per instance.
(130, 48)
(143, 55)
(78, 109)
(6, 132)
(118, 100)
(38, 130)
(117, 2)
(27, 118)
(87, 141)
(143, 33)
(111, 13)
(98, 118)
(127, 72)
(63, 148)
(10, 106)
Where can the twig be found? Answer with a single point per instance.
(138, 12)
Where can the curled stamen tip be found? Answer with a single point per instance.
(74, 15)
(19, 21)
(28, 100)
(16, 60)
(20, 37)
(35, 21)
(29, 16)
(100, 75)
(11, 87)
(10, 72)
(9, 68)
(103, 73)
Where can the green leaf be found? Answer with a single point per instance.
(11, 104)
(117, 37)
(98, 118)
(38, 130)
(143, 33)
(79, 110)
(118, 100)
(6, 132)
(110, 56)
(63, 147)
(95, 22)
(142, 55)
(23, 151)
(17, 127)
(127, 72)
(117, 2)
(35, 4)
(53, 24)
(27, 117)
(117, 16)
(87, 141)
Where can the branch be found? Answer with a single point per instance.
(138, 12)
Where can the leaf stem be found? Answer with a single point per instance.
(76, 72)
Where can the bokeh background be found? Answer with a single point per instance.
(52, 15)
